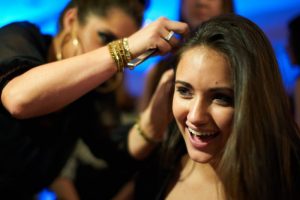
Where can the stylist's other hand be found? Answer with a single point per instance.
(153, 36)
(158, 114)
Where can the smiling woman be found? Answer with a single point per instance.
(203, 108)
(235, 137)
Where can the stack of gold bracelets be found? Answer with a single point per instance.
(120, 52)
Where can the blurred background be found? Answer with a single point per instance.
(271, 15)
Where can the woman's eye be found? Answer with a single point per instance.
(223, 99)
(184, 91)
(106, 37)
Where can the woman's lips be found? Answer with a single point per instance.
(200, 139)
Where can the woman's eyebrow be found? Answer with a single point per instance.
(222, 89)
(183, 83)
(213, 89)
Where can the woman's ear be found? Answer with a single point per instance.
(69, 18)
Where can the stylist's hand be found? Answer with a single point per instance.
(158, 114)
(152, 36)
(154, 119)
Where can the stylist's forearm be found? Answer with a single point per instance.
(54, 85)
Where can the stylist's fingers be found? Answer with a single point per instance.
(160, 104)
(170, 32)
(156, 35)
(178, 27)
(163, 91)
(163, 43)
(167, 77)
(163, 47)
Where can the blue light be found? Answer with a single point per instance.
(43, 13)
(46, 194)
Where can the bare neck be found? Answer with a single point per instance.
(195, 181)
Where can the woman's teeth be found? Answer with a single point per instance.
(200, 133)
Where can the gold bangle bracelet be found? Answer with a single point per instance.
(144, 136)
(120, 53)
(114, 55)
(127, 50)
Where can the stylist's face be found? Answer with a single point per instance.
(195, 12)
(203, 102)
(99, 31)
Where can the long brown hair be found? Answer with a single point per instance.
(261, 157)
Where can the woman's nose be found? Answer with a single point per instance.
(198, 112)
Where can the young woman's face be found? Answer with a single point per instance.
(195, 12)
(203, 102)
